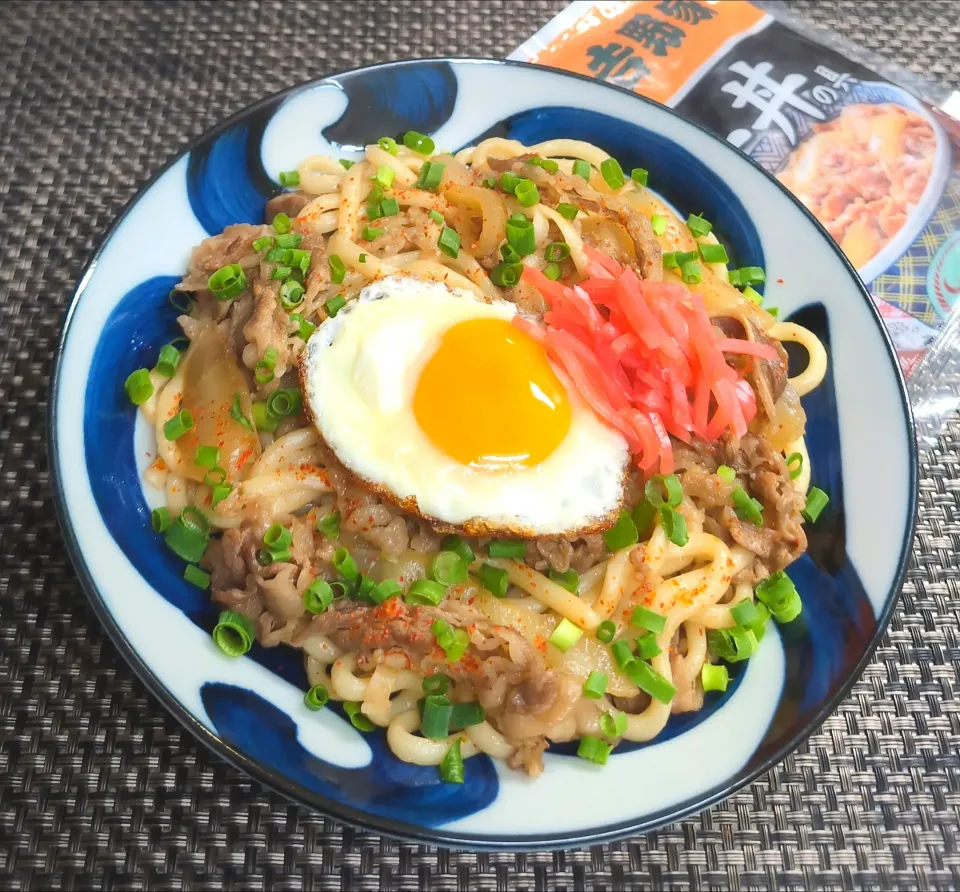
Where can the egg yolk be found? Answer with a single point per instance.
(489, 398)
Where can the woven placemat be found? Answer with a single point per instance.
(99, 787)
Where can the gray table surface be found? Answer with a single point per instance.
(99, 787)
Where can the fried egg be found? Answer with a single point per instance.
(434, 399)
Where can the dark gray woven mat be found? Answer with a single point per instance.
(99, 788)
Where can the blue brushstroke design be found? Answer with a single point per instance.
(386, 786)
(389, 102)
(676, 174)
(226, 180)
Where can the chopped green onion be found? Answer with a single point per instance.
(817, 500)
(180, 301)
(448, 568)
(168, 360)
(449, 241)
(285, 402)
(364, 589)
(227, 282)
(346, 163)
(605, 631)
(613, 724)
(345, 565)
(527, 193)
(489, 183)
(389, 207)
(139, 387)
(215, 476)
(430, 175)
(645, 677)
(263, 419)
(236, 413)
(774, 311)
(279, 255)
(698, 225)
(304, 328)
(674, 526)
(753, 295)
(733, 277)
(451, 766)
(385, 589)
(438, 683)
(160, 519)
(458, 546)
(465, 715)
(647, 646)
(195, 576)
(745, 613)
(177, 426)
(508, 548)
(437, 217)
(233, 633)
(185, 539)
(335, 305)
(733, 645)
(548, 164)
(281, 223)
(623, 655)
(714, 677)
(676, 259)
(329, 525)
(277, 536)
(454, 642)
(789, 611)
(641, 176)
(369, 233)
(622, 533)
(506, 275)
(374, 210)
(596, 685)
(289, 240)
(565, 635)
(263, 370)
(552, 271)
(195, 520)
(507, 252)
(582, 168)
(612, 173)
(220, 492)
(726, 473)
(291, 295)
(776, 591)
(337, 269)
(568, 211)
(713, 253)
(643, 517)
(357, 718)
(289, 178)
(691, 273)
(262, 243)
(795, 464)
(751, 275)
(387, 144)
(658, 224)
(316, 698)
(520, 236)
(556, 252)
(493, 579)
(644, 618)
(509, 181)
(317, 596)
(593, 749)
(661, 484)
(280, 273)
(421, 144)
(384, 176)
(568, 579)
(747, 508)
(426, 592)
(435, 723)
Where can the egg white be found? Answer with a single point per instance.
(359, 372)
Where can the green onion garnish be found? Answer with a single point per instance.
(639, 175)
(451, 766)
(753, 295)
(233, 633)
(520, 236)
(289, 240)
(421, 144)
(435, 722)
(177, 426)
(733, 277)
(387, 144)
(552, 271)
(304, 328)
(714, 677)
(277, 536)
(548, 164)
(647, 646)
(345, 565)
(279, 255)
(207, 457)
(389, 207)
(369, 233)
(733, 645)
(506, 275)
(318, 596)
(795, 464)
(186, 538)
(509, 181)
(691, 273)
(556, 252)
(465, 715)
(774, 311)
(489, 183)
(493, 579)
(236, 413)
(180, 301)
(507, 251)
(227, 282)
(430, 175)
(748, 509)
(263, 370)
(281, 223)
(425, 592)
(698, 225)
(139, 387)
(374, 210)
(438, 683)
(215, 476)
(568, 579)
(384, 176)
(817, 500)
(527, 193)
(674, 526)
(220, 492)
(582, 168)
(364, 589)
(745, 613)
(262, 243)
(346, 163)
(658, 224)
(567, 211)
(316, 698)
(289, 178)
(605, 631)
(280, 273)
(195, 576)
(565, 635)
(385, 589)
(776, 591)
(285, 402)
(645, 677)
(263, 419)
(613, 724)
(622, 533)
(664, 488)
(449, 241)
(448, 568)
(329, 525)
(676, 259)
(458, 546)
(437, 217)
(612, 173)
(337, 269)
(726, 473)
(291, 295)
(623, 655)
(168, 360)
(335, 305)
(357, 718)
(508, 548)
(751, 275)
(593, 749)
(643, 517)
(644, 618)
(160, 519)
(713, 253)
(454, 642)
(596, 685)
